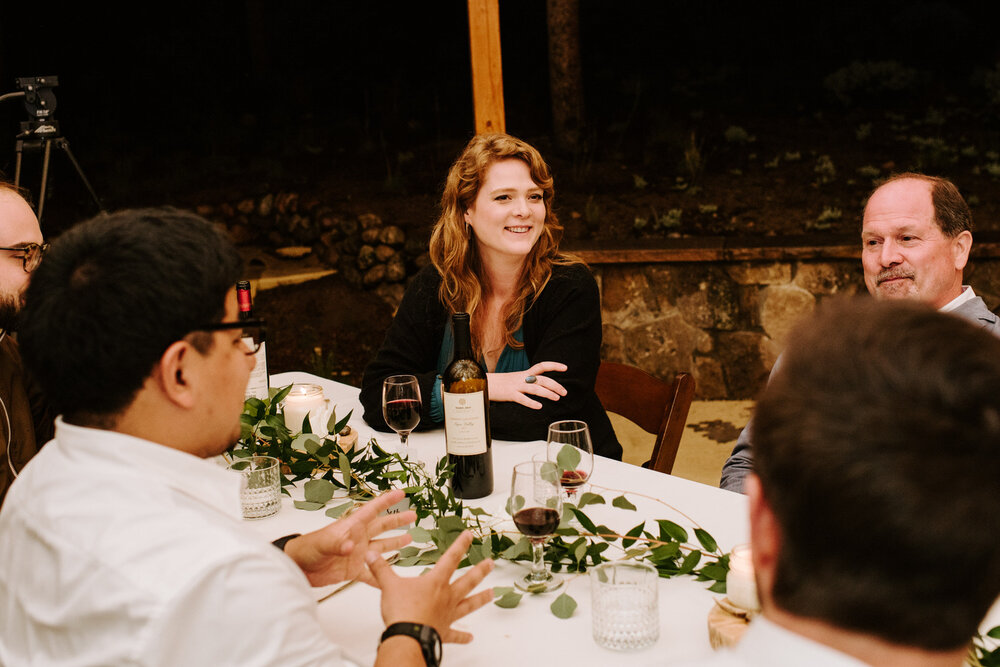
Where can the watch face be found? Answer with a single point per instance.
(430, 644)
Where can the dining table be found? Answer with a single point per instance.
(352, 619)
(530, 631)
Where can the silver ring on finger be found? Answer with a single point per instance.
(531, 379)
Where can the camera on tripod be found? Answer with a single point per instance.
(41, 131)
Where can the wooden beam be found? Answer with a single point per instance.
(487, 73)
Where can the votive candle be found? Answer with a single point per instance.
(741, 588)
(302, 400)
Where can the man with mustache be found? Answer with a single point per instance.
(916, 236)
(25, 420)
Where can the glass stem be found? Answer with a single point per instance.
(538, 572)
(402, 438)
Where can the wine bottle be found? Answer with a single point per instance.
(259, 384)
(467, 417)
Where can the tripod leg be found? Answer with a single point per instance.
(45, 178)
(63, 144)
(18, 148)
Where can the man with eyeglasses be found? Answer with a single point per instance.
(121, 542)
(25, 421)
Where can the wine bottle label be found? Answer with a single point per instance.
(258, 384)
(465, 423)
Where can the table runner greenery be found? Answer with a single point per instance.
(366, 471)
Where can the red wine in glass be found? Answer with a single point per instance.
(537, 522)
(402, 414)
(401, 405)
(572, 480)
(536, 506)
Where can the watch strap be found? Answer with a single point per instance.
(427, 636)
(282, 541)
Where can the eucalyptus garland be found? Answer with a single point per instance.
(359, 474)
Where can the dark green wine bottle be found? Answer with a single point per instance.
(467, 417)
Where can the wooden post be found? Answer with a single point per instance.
(487, 73)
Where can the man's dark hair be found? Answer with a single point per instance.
(112, 294)
(877, 444)
(951, 211)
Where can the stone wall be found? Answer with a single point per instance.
(726, 322)
(723, 321)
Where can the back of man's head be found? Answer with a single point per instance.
(112, 294)
(878, 450)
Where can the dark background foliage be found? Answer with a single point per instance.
(162, 101)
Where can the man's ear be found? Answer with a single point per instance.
(961, 245)
(765, 537)
(175, 373)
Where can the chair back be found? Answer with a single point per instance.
(654, 405)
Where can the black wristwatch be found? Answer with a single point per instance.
(430, 640)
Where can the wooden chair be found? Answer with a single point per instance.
(654, 405)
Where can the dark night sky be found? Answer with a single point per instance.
(185, 83)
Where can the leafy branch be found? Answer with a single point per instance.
(982, 655)
(361, 473)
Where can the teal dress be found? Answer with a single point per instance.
(510, 361)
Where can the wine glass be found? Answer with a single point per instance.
(401, 406)
(536, 505)
(569, 447)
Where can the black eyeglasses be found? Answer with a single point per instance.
(253, 332)
(31, 255)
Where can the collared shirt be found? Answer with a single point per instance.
(966, 295)
(768, 645)
(119, 551)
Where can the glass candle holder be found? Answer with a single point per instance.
(741, 587)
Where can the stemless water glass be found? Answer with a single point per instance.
(401, 406)
(624, 605)
(536, 505)
(569, 447)
(260, 485)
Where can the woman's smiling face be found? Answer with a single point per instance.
(508, 213)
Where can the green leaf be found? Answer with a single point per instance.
(499, 591)
(664, 552)
(631, 535)
(671, 529)
(718, 587)
(563, 606)
(550, 472)
(584, 520)
(590, 499)
(713, 572)
(706, 540)
(319, 491)
(690, 562)
(514, 504)
(994, 633)
(420, 534)
(520, 548)
(479, 552)
(308, 506)
(568, 458)
(621, 502)
(279, 395)
(508, 600)
(336, 512)
(337, 427)
(345, 469)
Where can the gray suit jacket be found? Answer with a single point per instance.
(740, 462)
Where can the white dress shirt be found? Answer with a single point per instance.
(119, 551)
(966, 295)
(768, 645)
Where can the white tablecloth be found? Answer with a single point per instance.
(352, 617)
